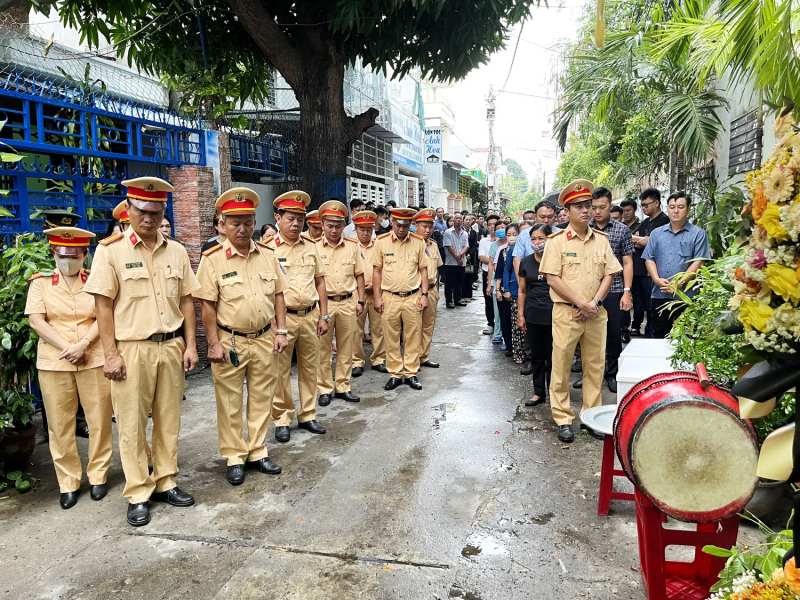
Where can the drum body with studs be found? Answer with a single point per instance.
(685, 448)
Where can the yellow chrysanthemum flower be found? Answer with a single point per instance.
(780, 185)
(770, 220)
(754, 314)
(783, 282)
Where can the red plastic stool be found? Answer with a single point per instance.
(671, 580)
(607, 474)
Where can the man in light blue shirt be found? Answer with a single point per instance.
(544, 212)
(672, 249)
(439, 222)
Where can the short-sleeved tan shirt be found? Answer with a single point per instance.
(301, 264)
(146, 286)
(400, 261)
(70, 311)
(434, 261)
(342, 263)
(580, 262)
(244, 288)
(365, 253)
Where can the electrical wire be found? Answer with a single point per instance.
(513, 58)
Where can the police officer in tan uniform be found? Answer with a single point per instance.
(400, 281)
(306, 315)
(424, 223)
(70, 362)
(142, 285)
(580, 265)
(364, 222)
(241, 291)
(120, 213)
(314, 223)
(344, 282)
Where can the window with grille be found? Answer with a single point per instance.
(745, 145)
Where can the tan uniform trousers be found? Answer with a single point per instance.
(566, 335)
(343, 320)
(257, 362)
(378, 345)
(302, 335)
(402, 313)
(428, 323)
(60, 392)
(155, 382)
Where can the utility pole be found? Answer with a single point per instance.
(490, 164)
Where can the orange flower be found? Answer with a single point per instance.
(759, 202)
(792, 574)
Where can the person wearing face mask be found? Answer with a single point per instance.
(504, 304)
(510, 291)
(536, 316)
(70, 362)
(500, 240)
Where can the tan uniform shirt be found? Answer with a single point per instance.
(70, 311)
(301, 264)
(400, 261)
(243, 288)
(342, 263)
(365, 254)
(146, 286)
(434, 261)
(581, 263)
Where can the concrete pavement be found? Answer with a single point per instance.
(456, 491)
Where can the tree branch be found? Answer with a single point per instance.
(360, 123)
(268, 35)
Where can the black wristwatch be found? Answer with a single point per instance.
(598, 302)
(424, 293)
(362, 302)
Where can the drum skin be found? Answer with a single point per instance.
(685, 448)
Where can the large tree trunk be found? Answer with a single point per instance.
(314, 68)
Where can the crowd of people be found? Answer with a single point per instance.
(118, 339)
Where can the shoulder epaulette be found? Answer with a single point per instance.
(35, 276)
(600, 232)
(267, 240)
(557, 232)
(212, 250)
(266, 245)
(383, 235)
(87, 271)
(111, 239)
(354, 240)
(172, 239)
(418, 236)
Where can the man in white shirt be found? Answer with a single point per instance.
(356, 206)
(483, 257)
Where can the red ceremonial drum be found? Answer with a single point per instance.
(685, 448)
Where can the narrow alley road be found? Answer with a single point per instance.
(456, 491)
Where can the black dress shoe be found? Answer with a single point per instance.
(611, 382)
(509, 353)
(282, 434)
(82, 430)
(324, 399)
(526, 369)
(392, 383)
(68, 499)
(347, 396)
(430, 364)
(576, 367)
(381, 368)
(263, 465)
(413, 383)
(565, 434)
(450, 305)
(311, 426)
(235, 475)
(461, 303)
(636, 332)
(358, 371)
(138, 514)
(98, 492)
(578, 385)
(626, 337)
(595, 434)
(175, 497)
(541, 400)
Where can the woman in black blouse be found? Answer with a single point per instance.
(536, 319)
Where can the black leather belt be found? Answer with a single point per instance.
(340, 297)
(301, 311)
(163, 337)
(404, 294)
(251, 335)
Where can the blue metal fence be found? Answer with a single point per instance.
(259, 156)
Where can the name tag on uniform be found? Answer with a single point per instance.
(570, 254)
(281, 259)
(389, 254)
(231, 274)
(323, 256)
(133, 265)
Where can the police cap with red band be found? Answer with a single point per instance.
(238, 201)
(333, 209)
(579, 190)
(147, 193)
(294, 201)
